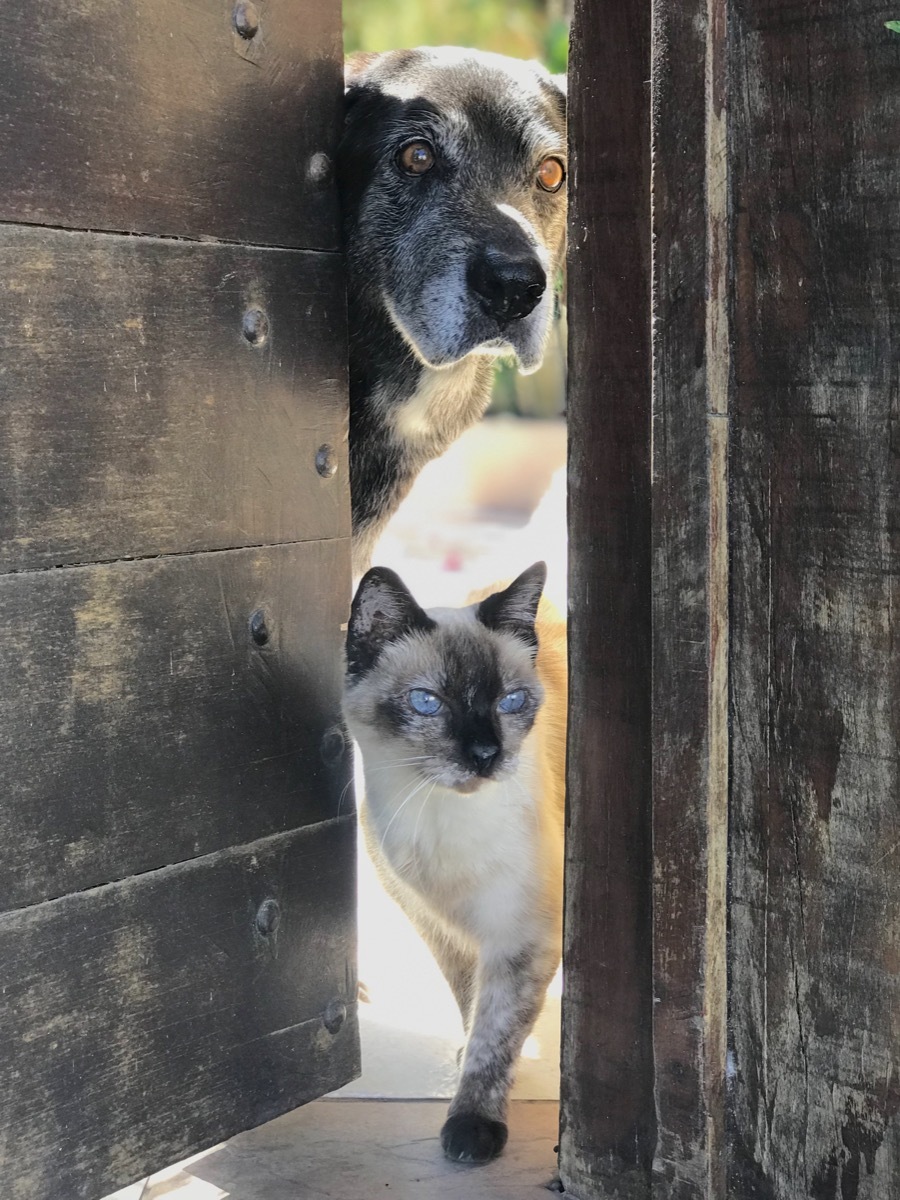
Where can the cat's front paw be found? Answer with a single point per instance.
(469, 1137)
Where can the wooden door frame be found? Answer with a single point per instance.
(607, 1118)
(731, 894)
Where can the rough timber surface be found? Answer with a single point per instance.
(815, 494)
(174, 572)
(135, 416)
(157, 117)
(144, 724)
(607, 1106)
(772, 777)
(690, 583)
(147, 1018)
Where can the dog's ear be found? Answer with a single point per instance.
(554, 87)
(356, 65)
(559, 90)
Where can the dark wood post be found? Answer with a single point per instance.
(747, 533)
(607, 1095)
(815, 664)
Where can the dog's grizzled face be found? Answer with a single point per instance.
(453, 170)
(451, 692)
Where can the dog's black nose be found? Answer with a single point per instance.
(483, 755)
(508, 286)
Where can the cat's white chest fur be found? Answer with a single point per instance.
(471, 859)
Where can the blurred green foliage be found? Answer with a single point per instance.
(522, 28)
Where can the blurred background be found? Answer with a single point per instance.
(494, 504)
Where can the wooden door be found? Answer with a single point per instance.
(176, 859)
(733, 908)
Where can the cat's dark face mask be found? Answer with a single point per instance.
(454, 692)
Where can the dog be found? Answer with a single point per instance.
(452, 174)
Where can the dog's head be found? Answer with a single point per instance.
(453, 169)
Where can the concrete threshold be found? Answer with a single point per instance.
(363, 1150)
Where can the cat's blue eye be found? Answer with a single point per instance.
(425, 703)
(513, 702)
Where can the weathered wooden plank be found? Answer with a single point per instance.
(150, 1018)
(141, 724)
(152, 116)
(608, 1118)
(815, 957)
(690, 586)
(135, 415)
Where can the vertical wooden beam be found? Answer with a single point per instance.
(690, 595)
(767, 587)
(607, 1095)
(815, 496)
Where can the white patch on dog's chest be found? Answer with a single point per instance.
(433, 410)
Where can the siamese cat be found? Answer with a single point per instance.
(460, 716)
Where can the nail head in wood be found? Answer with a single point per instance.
(326, 461)
(259, 630)
(333, 745)
(318, 170)
(334, 1015)
(246, 19)
(255, 326)
(268, 917)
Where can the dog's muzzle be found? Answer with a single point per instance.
(508, 286)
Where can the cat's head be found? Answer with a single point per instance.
(452, 693)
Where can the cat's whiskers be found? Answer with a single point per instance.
(344, 791)
(415, 839)
(398, 762)
(415, 791)
(389, 766)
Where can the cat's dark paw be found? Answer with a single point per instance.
(469, 1137)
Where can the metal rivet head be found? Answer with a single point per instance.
(334, 1015)
(245, 19)
(259, 630)
(326, 461)
(333, 745)
(255, 326)
(318, 169)
(268, 917)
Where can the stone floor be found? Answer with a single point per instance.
(362, 1150)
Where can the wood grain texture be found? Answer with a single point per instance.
(176, 867)
(690, 587)
(607, 1117)
(815, 953)
(144, 725)
(151, 1017)
(155, 117)
(135, 416)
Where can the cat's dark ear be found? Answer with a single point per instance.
(514, 610)
(383, 610)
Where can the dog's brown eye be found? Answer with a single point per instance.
(551, 174)
(416, 158)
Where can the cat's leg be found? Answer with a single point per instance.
(510, 992)
(458, 965)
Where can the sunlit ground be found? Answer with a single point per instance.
(494, 504)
